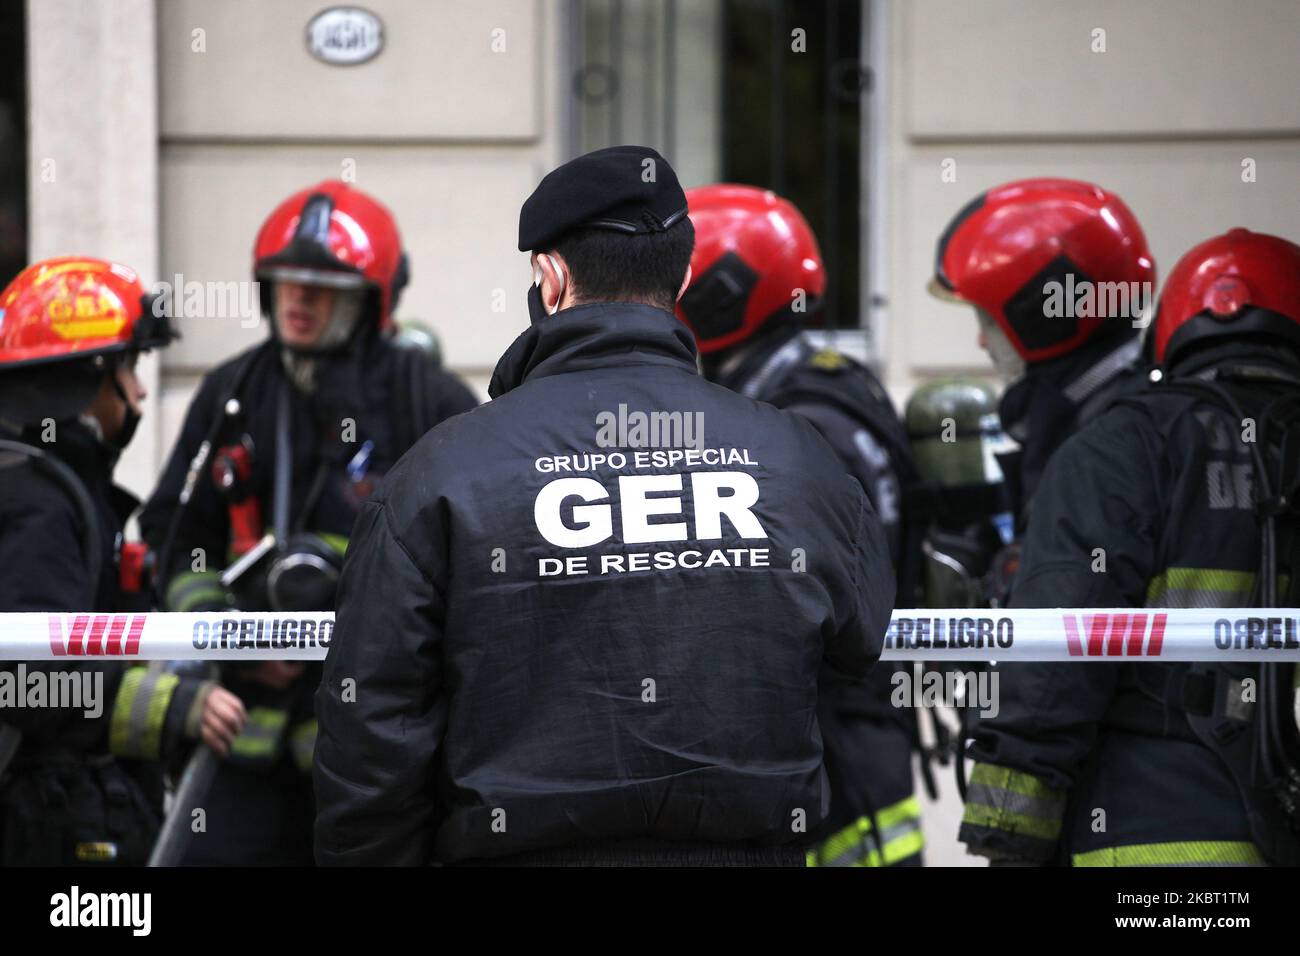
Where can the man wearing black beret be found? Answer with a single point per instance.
(583, 624)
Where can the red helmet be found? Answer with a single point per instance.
(1000, 252)
(337, 236)
(76, 307)
(1239, 282)
(754, 253)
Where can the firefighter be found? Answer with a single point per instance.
(1060, 277)
(280, 447)
(756, 279)
(1184, 495)
(80, 782)
(956, 435)
(644, 688)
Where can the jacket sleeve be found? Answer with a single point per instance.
(155, 714)
(42, 565)
(1091, 543)
(380, 709)
(868, 600)
(44, 570)
(142, 712)
(205, 524)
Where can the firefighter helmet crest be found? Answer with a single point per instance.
(1236, 283)
(63, 323)
(335, 236)
(76, 307)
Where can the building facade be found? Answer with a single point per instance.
(161, 132)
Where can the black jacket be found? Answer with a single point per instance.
(846, 403)
(868, 742)
(45, 568)
(1148, 506)
(1054, 399)
(362, 396)
(68, 796)
(474, 708)
(370, 403)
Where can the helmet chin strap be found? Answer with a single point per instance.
(93, 425)
(130, 419)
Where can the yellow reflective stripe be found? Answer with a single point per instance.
(1191, 853)
(1000, 798)
(844, 846)
(267, 718)
(902, 847)
(140, 711)
(260, 736)
(337, 542)
(978, 815)
(1203, 587)
(159, 700)
(302, 741)
(1027, 784)
(896, 850)
(119, 724)
(900, 830)
(189, 589)
(895, 813)
(1216, 579)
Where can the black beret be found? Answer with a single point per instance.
(614, 188)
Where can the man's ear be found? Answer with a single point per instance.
(685, 282)
(555, 278)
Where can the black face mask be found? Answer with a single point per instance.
(129, 425)
(130, 422)
(536, 309)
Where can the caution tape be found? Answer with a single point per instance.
(159, 636)
(1112, 634)
(1068, 634)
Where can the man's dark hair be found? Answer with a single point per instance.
(610, 266)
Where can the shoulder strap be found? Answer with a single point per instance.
(199, 463)
(1274, 757)
(854, 391)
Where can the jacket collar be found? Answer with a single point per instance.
(1245, 360)
(599, 335)
(1048, 396)
(765, 358)
(77, 447)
